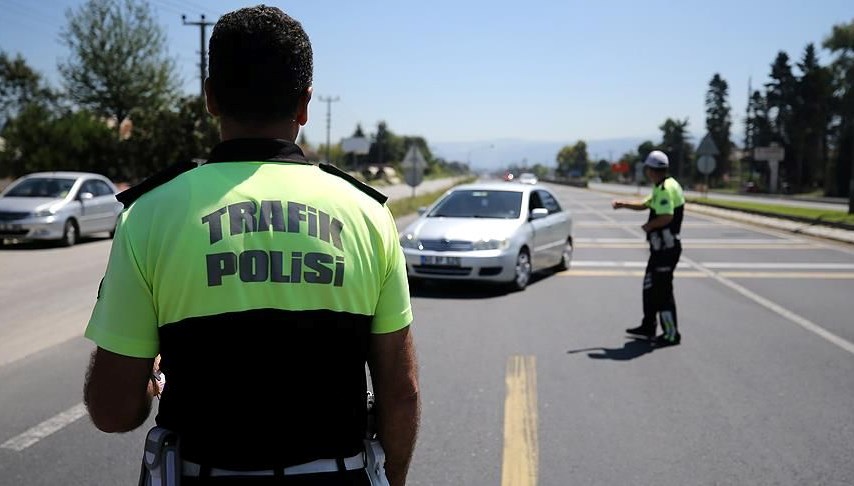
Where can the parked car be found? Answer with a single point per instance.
(527, 178)
(62, 206)
(492, 232)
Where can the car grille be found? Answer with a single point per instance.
(438, 270)
(446, 245)
(12, 216)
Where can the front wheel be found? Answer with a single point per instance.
(70, 234)
(522, 275)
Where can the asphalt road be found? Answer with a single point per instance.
(535, 387)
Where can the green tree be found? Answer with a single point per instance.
(674, 142)
(841, 43)
(118, 61)
(20, 85)
(572, 160)
(719, 122)
(810, 120)
(387, 148)
(39, 139)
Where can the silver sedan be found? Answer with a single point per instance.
(59, 206)
(493, 232)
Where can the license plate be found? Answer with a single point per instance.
(9, 227)
(444, 261)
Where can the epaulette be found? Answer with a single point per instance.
(370, 191)
(128, 196)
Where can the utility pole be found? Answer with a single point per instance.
(328, 100)
(203, 63)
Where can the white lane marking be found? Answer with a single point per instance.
(768, 304)
(720, 265)
(44, 429)
(772, 306)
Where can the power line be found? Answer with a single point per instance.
(203, 64)
(328, 100)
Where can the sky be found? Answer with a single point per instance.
(466, 73)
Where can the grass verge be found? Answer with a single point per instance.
(811, 215)
(409, 205)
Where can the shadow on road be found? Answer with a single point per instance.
(46, 245)
(633, 348)
(459, 289)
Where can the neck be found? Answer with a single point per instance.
(285, 129)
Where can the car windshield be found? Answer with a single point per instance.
(52, 187)
(479, 204)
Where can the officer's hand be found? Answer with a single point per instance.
(616, 204)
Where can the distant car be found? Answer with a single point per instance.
(508, 176)
(527, 178)
(62, 206)
(492, 232)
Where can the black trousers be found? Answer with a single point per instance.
(658, 298)
(357, 477)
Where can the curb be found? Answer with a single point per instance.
(797, 227)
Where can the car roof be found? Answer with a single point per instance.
(496, 186)
(69, 174)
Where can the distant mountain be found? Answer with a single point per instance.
(500, 153)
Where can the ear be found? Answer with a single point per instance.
(210, 99)
(301, 116)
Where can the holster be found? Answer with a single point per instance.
(161, 460)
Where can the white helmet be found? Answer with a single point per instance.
(657, 160)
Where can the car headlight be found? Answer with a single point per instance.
(44, 213)
(491, 244)
(410, 241)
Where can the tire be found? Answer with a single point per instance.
(70, 233)
(522, 275)
(566, 257)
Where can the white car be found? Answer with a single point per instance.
(527, 178)
(492, 232)
(62, 206)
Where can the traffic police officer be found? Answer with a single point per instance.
(265, 284)
(666, 206)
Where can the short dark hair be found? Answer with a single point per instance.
(260, 64)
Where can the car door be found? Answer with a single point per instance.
(540, 239)
(555, 227)
(88, 217)
(105, 206)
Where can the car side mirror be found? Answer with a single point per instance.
(539, 213)
(422, 210)
(85, 196)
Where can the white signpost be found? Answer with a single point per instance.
(773, 154)
(706, 162)
(413, 166)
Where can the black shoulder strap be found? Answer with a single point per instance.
(128, 196)
(370, 191)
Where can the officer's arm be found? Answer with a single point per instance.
(118, 390)
(633, 205)
(394, 374)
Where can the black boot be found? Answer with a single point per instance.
(644, 330)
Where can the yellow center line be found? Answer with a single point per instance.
(521, 446)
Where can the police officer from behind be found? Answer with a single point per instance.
(265, 283)
(666, 206)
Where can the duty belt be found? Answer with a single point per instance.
(191, 469)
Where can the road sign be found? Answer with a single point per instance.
(773, 152)
(356, 145)
(413, 166)
(706, 164)
(708, 147)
